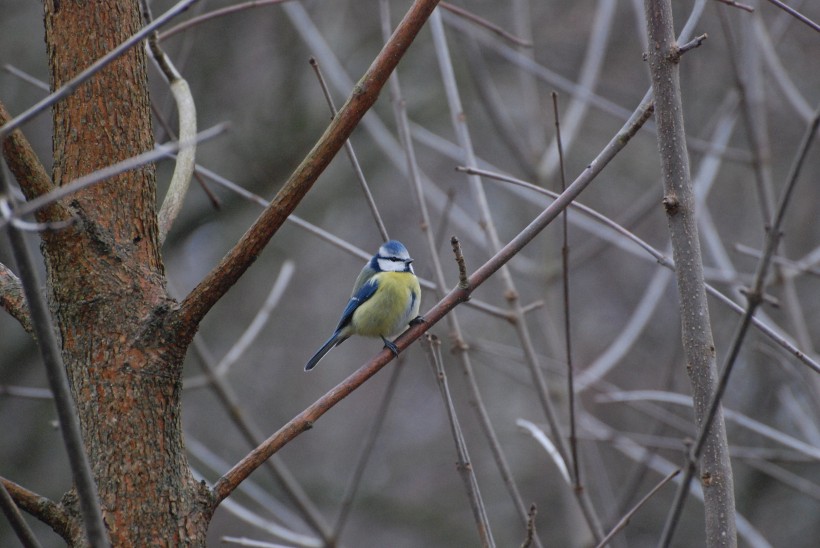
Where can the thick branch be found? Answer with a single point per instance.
(304, 420)
(364, 95)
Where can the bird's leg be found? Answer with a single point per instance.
(417, 320)
(391, 346)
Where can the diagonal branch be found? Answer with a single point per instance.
(304, 420)
(364, 95)
(30, 173)
(12, 512)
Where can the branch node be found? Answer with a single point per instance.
(463, 282)
(671, 204)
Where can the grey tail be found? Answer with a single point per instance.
(317, 357)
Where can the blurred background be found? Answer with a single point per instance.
(748, 91)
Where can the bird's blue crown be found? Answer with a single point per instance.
(392, 257)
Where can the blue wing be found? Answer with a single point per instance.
(367, 290)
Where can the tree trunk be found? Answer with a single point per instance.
(107, 286)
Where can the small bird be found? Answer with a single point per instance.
(385, 300)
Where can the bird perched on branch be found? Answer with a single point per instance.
(385, 301)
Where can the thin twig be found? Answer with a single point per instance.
(26, 77)
(198, 20)
(693, 43)
(552, 450)
(432, 348)
(624, 521)
(481, 22)
(530, 527)
(573, 439)
(28, 392)
(462, 265)
(351, 155)
(796, 14)
(367, 450)
(738, 5)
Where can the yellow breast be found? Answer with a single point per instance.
(391, 308)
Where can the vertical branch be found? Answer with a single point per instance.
(573, 439)
(476, 398)
(494, 244)
(432, 347)
(679, 202)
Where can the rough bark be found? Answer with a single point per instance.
(107, 289)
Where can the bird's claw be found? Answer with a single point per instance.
(391, 346)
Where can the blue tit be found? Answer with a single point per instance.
(385, 301)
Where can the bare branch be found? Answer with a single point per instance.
(738, 5)
(481, 22)
(696, 329)
(796, 14)
(712, 417)
(216, 14)
(363, 96)
(304, 420)
(351, 155)
(433, 350)
(624, 521)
